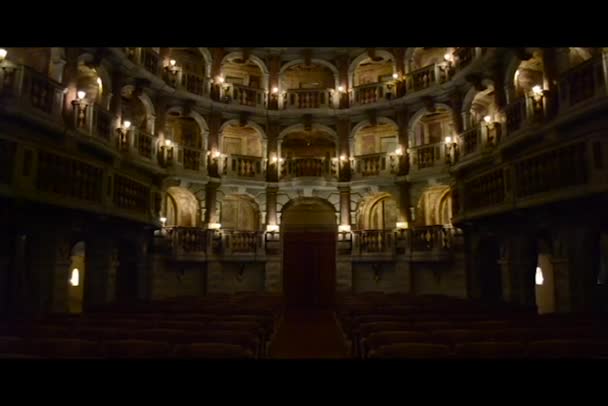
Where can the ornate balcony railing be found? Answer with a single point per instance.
(243, 166)
(375, 164)
(486, 190)
(190, 158)
(242, 241)
(373, 241)
(187, 240)
(581, 83)
(471, 141)
(430, 238)
(318, 167)
(552, 170)
(428, 156)
(246, 96)
(373, 92)
(150, 60)
(193, 83)
(308, 99)
(23, 87)
(145, 144)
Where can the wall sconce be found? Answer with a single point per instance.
(341, 89)
(449, 58)
(450, 146)
(272, 228)
(80, 109)
(537, 91)
(401, 225)
(487, 119)
(123, 136)
(274, 159)
(344, 228)
(342, 158)
(216, 154)
(3, 53)
(399, 151)
(163, 221)
(214, 226)
(220, 79)
(275, 90)
(395, 76)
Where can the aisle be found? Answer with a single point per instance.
(308, 333)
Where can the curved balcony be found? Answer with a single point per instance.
(377, 164)
(428, 156)
(243, 166)
(297, 99)
(373, 92)
(292, 168)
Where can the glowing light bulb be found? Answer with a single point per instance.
(537, 90)
(539, 276)
(126, 125)
(487, 119)
(3, 53)
(341, 89)
(172, 62)
(81, 94)
(395, 75)
(275, 90)
(75, 279)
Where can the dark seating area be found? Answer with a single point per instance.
(217, 326)
(379, 326)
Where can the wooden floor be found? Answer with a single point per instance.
(308, 334)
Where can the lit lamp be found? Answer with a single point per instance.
(537, 99)
(123, 136)
(395, 76)
(80, 109)
(75, 277)
(172, 70)
(341, 89)
(167, 150)
(272, 228)
(450, 145)
(214, 226)
(401, 225)
(344, 228)
(163, 221)
(3, 53)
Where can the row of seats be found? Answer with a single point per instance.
(220, 327)
(397, 325)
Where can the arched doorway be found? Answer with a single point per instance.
(76, 281)
(309, 227)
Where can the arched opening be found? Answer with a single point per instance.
(429, 66)
(239, 213)
(243, 81)
(243, 148)
(309, 227)
(90, 82)
(528, 76)
(430, 131)
(181, 208)
(308, 153)
(375, 149)
(544, 289)
(490, 279)
(577, 56)
(307, 86)
(373, 79)
(135, 111)
(192, 69)
(76, 278)
(187, 134)
(378, 212)
(434, 207)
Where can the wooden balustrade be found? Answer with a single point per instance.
(103, 123)
(516, 115)
(430, 238)
(131, 195)
(144, 143)
(150, 60)
(191, 158)
(422, 78)
(68, 177)
(243, 166)
(187, 240)
(193, 83)
(368, 93)
(581, 83)
(426, 156)
(485, 190)
(32, 90)
(242, 241)
(307, 167)
(552, 170)
(307, 99)
(8, 153)
(371, 164)
(471, 140)
(247, 96)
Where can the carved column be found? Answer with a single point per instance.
(116, 100)
(551, 76)
(272, 171)
(343, 130)
(399, 54)
(274, 70)
(214, 123)
(344, 205)
(70, 77)
(342, 65)
(403, 117)
(456, 103)
(271, 205)
(498, 76)
(211, 202)
(217, 54)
